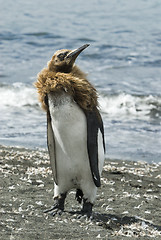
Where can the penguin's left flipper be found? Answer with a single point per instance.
(94, 124)
(51, 146)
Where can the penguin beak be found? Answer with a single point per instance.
(74, 54)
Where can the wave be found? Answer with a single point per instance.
(120, 105)
(17, 95)
(125, 105)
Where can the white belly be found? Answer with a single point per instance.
(70, 133)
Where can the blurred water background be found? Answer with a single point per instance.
(123, 62)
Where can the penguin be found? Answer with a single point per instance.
(75, 132)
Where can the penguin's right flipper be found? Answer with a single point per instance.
(51, 146)
(94, 124)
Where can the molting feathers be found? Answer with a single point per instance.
(72, 80)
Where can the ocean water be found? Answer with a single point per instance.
(123, 62)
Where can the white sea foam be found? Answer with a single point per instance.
(126, 105)
(120, 105)
(17, 95)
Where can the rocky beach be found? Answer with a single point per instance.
(128, 204)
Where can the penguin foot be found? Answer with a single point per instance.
(54, 211)
(79, 195)
(58, 207)
(87, 208)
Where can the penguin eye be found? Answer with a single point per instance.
(61, 56)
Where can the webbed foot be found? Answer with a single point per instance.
(58, 207)
(87, 208)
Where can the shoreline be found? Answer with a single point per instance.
(127, 204)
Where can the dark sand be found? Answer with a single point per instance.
(128, 204)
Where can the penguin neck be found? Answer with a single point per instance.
(76, 72)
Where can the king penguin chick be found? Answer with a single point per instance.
(75, 133)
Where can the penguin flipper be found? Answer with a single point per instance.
(51, 147)
(94, 124)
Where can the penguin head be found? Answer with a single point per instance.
(63, 60)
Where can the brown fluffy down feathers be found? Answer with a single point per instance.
(83, 93)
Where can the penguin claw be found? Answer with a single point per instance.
(54, 210)
(81, 217)
(49, 209)
(85, 216)
(58, 207)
